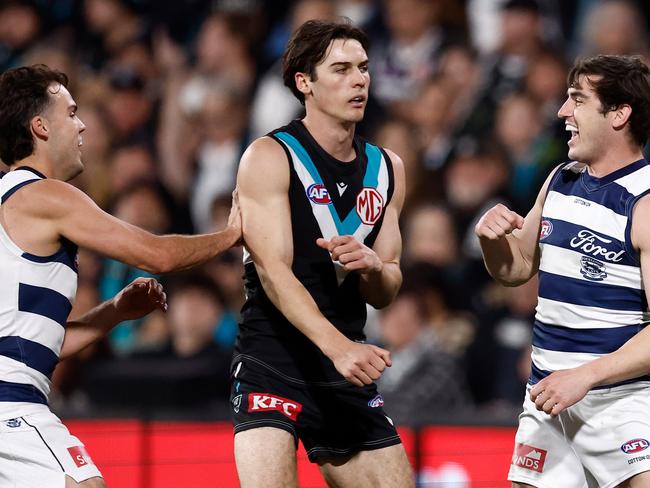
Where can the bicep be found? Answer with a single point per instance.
(388, 245)
(263, 185)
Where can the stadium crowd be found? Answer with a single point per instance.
(465, 91)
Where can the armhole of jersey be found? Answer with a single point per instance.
(628, 228)
(9, 193)
(391, 175)
(285, 149)
(558, 171)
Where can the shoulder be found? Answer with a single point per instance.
(48, 197)
(264, 151)
(266, 161)
(641, 231)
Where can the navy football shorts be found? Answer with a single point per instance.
(331, 419)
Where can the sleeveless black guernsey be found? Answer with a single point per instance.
(327, 197)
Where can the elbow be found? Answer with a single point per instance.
(157, 259)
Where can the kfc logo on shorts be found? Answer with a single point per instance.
(545, 230)
(635, 445)
(80, 456)
(529, 457)
(317, 193)
(264, 402)
(369, 206)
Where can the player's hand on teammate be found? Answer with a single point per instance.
(234, 219)
(140, 297)
(560, 390)
(497, 222)
(352, 254)
(361, 364)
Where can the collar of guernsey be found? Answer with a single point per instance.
(329, 221)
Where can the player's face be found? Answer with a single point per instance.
(342, 81)
(64, 143)
(590, 128)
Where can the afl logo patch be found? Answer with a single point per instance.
(545, 230)
(369, 206)
(318, 194)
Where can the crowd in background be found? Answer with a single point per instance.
(171, 93)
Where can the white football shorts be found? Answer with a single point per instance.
(38, 451)
(601, 441)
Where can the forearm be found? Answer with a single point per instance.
(179, 252)
(379, 288)
(89, 328)
(293, 300)
(629, 361)
(505, 262)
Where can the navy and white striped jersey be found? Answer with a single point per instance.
(591, 294)
(36, 295)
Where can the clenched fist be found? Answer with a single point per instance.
(498, 222)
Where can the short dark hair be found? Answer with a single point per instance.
(23, 94)
(622, 80)
(308, 47)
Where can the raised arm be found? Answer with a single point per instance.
(378, 267)
(564, 388)
(60, 209)
(136, 300)
(510, 243)
(263, 183)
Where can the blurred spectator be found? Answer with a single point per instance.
(20, 24)
(426, 363)
(614, 27)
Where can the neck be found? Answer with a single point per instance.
(35, 162)
(613, 161)
(335, 137)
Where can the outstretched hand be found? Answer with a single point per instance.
(140, 297)
(352, 254)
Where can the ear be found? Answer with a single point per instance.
(622, 115)
(303, 83)
(40, 127)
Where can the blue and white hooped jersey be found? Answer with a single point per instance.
(591, 294)
(36, 296)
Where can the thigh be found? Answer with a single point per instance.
(612, 438)
(380, 468)
(348, 419)
(266, 456)
(542, 456)
(89, 483)
(38, 450)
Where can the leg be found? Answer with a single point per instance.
(266, 456)
(640, 480)
(380, 468)
(521, 485)
(95, 482)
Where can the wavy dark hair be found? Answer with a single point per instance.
(619, 80)
(308, 47)
(23, 94)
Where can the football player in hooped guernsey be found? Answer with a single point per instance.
(586, 418)
(320, 209)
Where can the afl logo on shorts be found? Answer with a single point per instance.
(635, 445)
(318, 194)
(369, 206)
(546, 229)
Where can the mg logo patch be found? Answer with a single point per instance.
(80, 456)
(369, 206)
(264, 402)
(529, 457)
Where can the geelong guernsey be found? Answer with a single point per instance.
(327, 198)
(591, 294)
(36, 295)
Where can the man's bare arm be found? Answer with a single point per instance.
(510, 243)
(62, 210)
(136, 300)
(263, 183)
